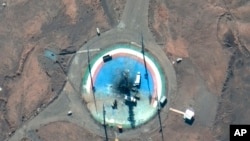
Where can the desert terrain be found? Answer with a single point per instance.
(38, 40)
(212, 37)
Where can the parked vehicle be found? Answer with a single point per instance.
(137, 82)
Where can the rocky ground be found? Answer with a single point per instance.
(33, 35)
(211, 36)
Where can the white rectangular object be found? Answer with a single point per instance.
(163, 99)
(69, 113)
(178, 60)
(155, 104)
(137, 79)
(189, 114)
(130, 98)
(98, 30)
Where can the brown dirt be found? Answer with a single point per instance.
(234, 107)
(99, 19)
(33, 26)
(27, 28)
(191, 30)
(158, 21)
(234, 103)
(179, 131)
(30, 91)
(216, 43)
(89, 2)
(243, 19)
(65, 131)
(71, 9)
(177, 47)
(183, 36)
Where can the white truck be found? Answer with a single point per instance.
(137, 80)
(98, 31)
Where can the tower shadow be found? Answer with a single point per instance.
(146, 69)
(124, 88)
(159, 118)
(92, 85)
(104, 124)
(131, 114)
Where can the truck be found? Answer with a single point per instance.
(98, 31)
(137, 82)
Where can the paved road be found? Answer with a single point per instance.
(135, 14)
(134, 22)
(135, 18)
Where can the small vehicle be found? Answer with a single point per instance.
(163, 101)
(98, 31)
(137, 80)
(178, 60)
(69, 113)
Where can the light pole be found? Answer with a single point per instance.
(143, 51)
(91, 79)
(104, 123)
(159, 116)
(145, 66)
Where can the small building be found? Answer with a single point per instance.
(189, 114)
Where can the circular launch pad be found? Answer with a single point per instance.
(110, 86)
